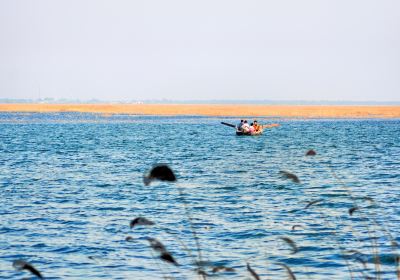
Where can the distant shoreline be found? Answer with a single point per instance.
(228, 110)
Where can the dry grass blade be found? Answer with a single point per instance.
(296, 226)
(140, 221)
(252, 272)
(192, 228)
(313, 202)
(167, 257)
(352, 209)
(222, 268)
(160, 172)
(95, 259)
(289, 271)
(23, 265)
(290, 176)
(311, 153)
(156, 245)
(291, 243)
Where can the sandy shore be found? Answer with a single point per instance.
(302, 111)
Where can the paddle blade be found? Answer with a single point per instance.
(270, 125)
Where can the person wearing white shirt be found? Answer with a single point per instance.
(246, 127)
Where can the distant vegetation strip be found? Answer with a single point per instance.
(199, 101)
(301, 111)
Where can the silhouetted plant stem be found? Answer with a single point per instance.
(192, 229)
(374, 244)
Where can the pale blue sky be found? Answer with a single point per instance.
(154, 49)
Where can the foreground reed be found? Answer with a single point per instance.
(358, 265)
(351, 257)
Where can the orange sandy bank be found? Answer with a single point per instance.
(305, 111)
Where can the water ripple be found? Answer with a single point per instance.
(72, 182)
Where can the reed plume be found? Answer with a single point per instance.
(24, 265)
(290, 176)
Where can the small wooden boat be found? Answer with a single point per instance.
(242, 133)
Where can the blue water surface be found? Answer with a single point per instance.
(70, 184)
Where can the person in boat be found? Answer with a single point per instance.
(245, 127)
(252, 129)
(257, 127)
(239, 126)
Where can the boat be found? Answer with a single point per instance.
(242, 133)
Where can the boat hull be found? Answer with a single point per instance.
(241, 133)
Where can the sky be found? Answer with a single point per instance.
(200, 50)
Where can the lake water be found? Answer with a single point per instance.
(70, 184)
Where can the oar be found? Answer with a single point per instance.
(270, 125)
(228, 124)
